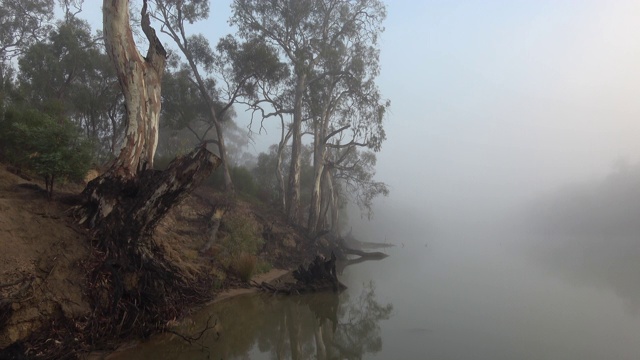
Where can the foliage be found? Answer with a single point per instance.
(332, 59)
(263, 267)
(265, 175)
(182, 104)
(245, 266)
(52, 148)
(242, 237)
(243, 181)
(23, 22)
(355, 174)
(70, 72)
(251, 62)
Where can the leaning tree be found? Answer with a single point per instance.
(133, 283)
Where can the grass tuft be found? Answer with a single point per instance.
(245, 266)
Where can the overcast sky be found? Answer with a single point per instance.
(509, 96)
(494, 101)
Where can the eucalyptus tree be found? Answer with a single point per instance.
(203, 62)
(70, 74)
(198, 54)
(354, 174)
(306, 34)
(22, 23)
(124, 205)
(186, 116)
(346, 107)
(49, 69)
(349, 161)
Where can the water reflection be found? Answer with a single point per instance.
(321, 326)
(590, 234)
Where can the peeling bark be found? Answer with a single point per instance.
(140, 80)
(133, 288)
(319, 153)
(293, 190)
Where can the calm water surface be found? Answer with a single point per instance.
(464, 295)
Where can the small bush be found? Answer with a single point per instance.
(242, 179)
(51, 148)
(239, 246)
(245, 266)
(263, 267)
(243, 236)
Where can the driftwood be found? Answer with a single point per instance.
(376, 255)
(320, 275)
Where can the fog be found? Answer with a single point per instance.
(514, 124)
(493, 103)
(513, 163)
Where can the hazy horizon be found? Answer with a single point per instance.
(513, 158)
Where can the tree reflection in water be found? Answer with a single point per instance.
(336, 327)
(321, 326)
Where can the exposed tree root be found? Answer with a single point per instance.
(320, 275)
(132, 287)
(191, 339)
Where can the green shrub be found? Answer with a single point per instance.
(51, 148)
(239, 246)
(263, 267)
(242, 179)
(245, 266)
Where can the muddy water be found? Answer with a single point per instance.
(480, 296)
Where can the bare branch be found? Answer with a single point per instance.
(333, 133)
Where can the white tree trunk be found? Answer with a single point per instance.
(293, 190)
(319, 153)
(140, 79)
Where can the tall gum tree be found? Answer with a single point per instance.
(236, 66)
(304, 31)
(22, 23)
(140, 79)
(344, 101)
(124, 205)
(196, 50)
(289, 26)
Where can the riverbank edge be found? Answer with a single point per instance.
(271, 277)
(25, 208)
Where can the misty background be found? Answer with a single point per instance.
(493, 103)
(516, 119)
(513, 163)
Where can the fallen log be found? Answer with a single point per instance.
(376, 255)
(318, 276)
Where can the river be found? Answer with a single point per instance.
(467, 293)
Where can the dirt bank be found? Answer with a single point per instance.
(40, 262)
(45, 255)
